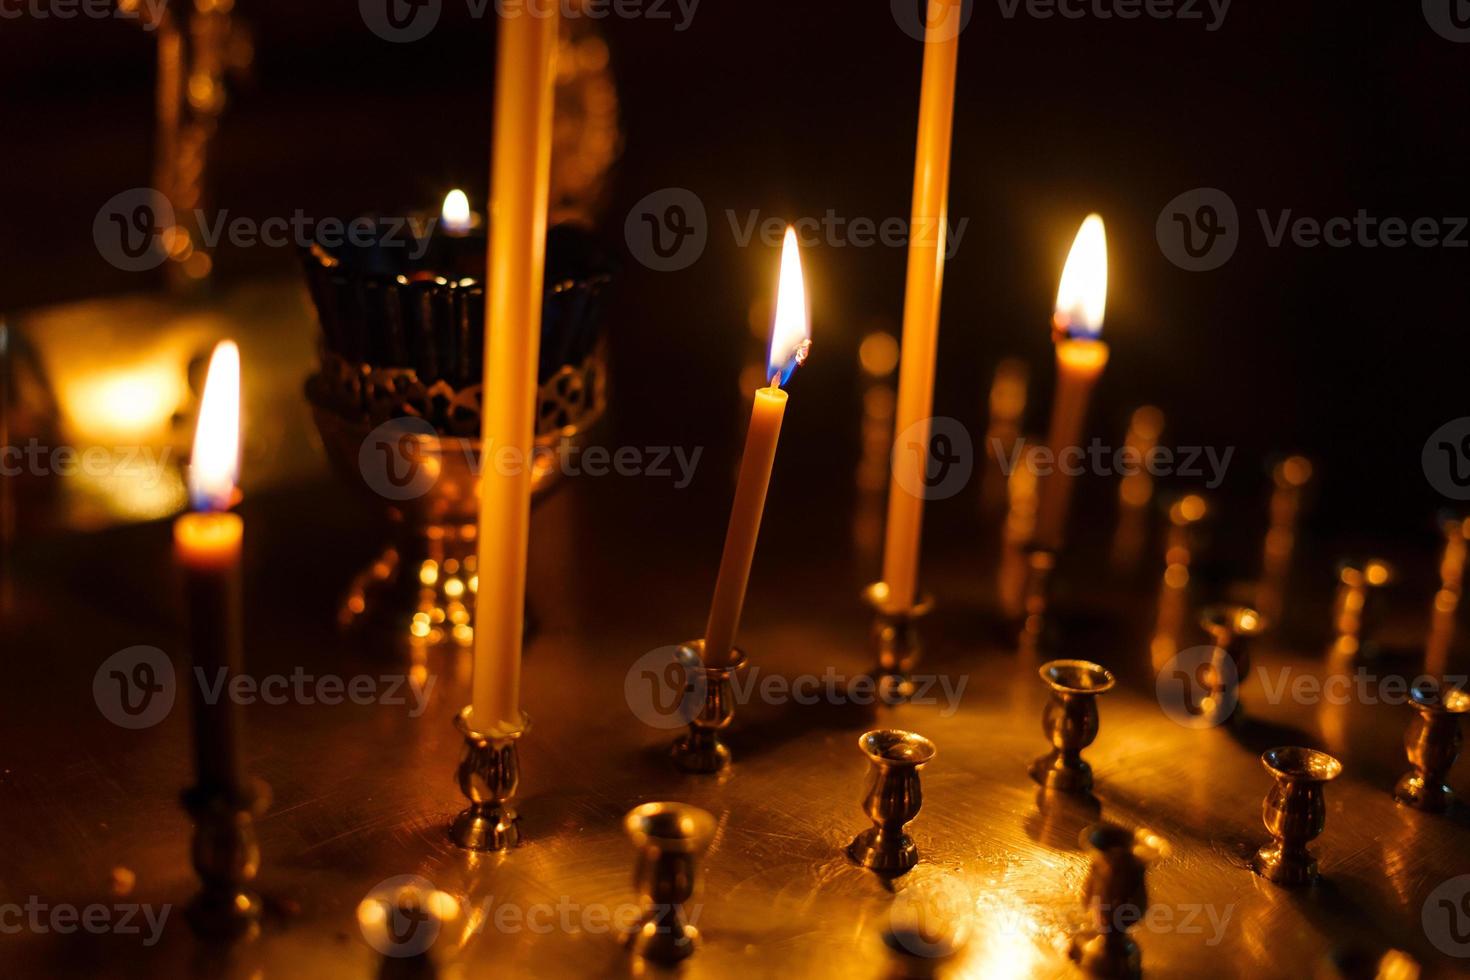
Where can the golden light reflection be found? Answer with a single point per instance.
(134, 402)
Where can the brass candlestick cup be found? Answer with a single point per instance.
(1116, 897)
(489, 774)
(670, 838)
(1433, 744)
(1295, 812)
(897, 641)
(708, 686)
(894, 798)
(1070, 722)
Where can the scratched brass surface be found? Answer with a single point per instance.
(362, 793)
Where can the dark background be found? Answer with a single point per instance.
(1352, 355)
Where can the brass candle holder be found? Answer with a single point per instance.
(1433, 744)
(670, 837)
(1035, 594)
(701, 751)
(489, 773)
(226, 856)
(1295, 812)
(1070, 722)
(1116, 897)
(1231, 629)
(893, 800)
(897, 639)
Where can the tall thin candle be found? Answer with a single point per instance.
(928, 226)
(788, 349)
(520, 184)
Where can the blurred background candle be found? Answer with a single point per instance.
(207, 548)
(930, 216)
(520, 184)
(1081, 356)
(789, 343)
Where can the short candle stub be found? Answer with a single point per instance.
(701, 751)
(897, 640)
(1070, 722)
(489, 774)
(1295, 813)
(893, 800)
(670, 837)
(1432, 743)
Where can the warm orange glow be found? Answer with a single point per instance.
(1082, 297)
(132, 402)
(455, 214)
(791, 333)
(215, 465)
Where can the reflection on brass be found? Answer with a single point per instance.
(1295, 812)
(1433, 744)
(1116, 897)
(1007, 406)
(1136, 490)
(227, 857)
(894, 798)
(701, 750)
(1289, 479)
(1447, 599)
(1070, 722)
(899, 644)
(489, 773)
(420, 588)
(1357, 611)
(1360, 963)
(1231, 629)
(670, 838)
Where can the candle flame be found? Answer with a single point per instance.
(791, 333)
(1082, 297)
(216, 460)
(455, 214)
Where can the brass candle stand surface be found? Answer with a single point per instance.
(893, 800)
(1070, 720)
(226, 856)
(1116, 897)
(897, 640)
(709, 701)
(489, 773)
(1232, 629)
(1295, 812)
(670, 838)
(1433, 744)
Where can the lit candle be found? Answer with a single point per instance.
(520, 184)
(1081, 356)
(789, 346)
(455, 216)
(207, 548)
(927, 231)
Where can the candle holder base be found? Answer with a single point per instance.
(489, 774)
(226, 856)
(898, 641)
(701, 751)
